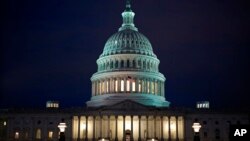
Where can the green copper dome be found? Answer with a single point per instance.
(128, 41)
(128, 69)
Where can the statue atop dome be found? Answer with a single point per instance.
(128, 18)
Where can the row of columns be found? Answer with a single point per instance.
(127, 85)
(140, 137)
(119, 64)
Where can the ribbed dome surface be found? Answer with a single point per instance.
(127, 42)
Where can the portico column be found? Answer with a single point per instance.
(162, 139)
(116, 128)
(93, 128)
(109, 126)
(86, 131)
(124, 128)
(147, 127)
(132, 129)
(79, 123)
(177, 136)
(169, 129)
(100, 126)
(154, 126)
(139, 139)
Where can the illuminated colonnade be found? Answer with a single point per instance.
(128, 85)
(114, 127)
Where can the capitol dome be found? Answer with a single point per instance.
(128, 41)
(128, 69)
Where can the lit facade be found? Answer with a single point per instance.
(128, 102)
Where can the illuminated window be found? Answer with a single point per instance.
(133, 86)
(148, 87)
(38, 134)
(107, 86)
(16, 135)
(139, 86)
(50, 135)
(128, 85)
(143, 86)
(102, 87)
(152, 88)
(4, 123)
(122, 85)
(116, 85)
(156, 88)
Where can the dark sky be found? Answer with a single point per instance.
(49, 49)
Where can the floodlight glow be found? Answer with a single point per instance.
(62, 126)
(196, 126)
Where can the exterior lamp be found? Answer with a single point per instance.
(62, 126)
(196, 126)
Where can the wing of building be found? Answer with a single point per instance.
(128, 102)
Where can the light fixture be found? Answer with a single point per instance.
(196, 126)
(62, 126)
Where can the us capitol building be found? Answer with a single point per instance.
(128, 102)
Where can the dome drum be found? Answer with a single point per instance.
(128, 62)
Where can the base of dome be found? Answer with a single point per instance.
(111, 99)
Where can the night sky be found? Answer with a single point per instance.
(49, 49)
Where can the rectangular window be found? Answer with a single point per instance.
(152, 88)
(148, 87)
(156, 88)
(128, 85)
(133, 86)
(122, 85)
(139, 87)
(107, 87)
(50, 135)
(16, 135)
(116, 86)
(102, 87)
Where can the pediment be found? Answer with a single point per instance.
(128, 105)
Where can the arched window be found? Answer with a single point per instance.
(148, 66)
(38, 134)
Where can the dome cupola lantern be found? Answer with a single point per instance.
(128, 69)
(128, 18)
